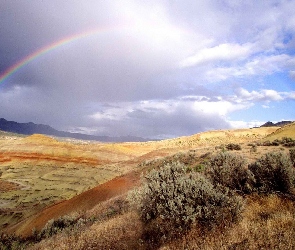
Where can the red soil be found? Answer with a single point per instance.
(82, 202)
(22, 156)
(6, 186)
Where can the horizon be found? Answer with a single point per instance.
(151, 70)
(130, 136)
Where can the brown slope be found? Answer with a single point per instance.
(82, 202)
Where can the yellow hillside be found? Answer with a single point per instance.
(286, 131)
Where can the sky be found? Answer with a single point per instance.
(154, 69)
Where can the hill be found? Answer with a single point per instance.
(285, 131)
(48, 179)
(104, 219)
(64, 170)
(32, 128)
(278, 124)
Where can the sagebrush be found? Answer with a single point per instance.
(230, 170)
(273, 172)
(172, 200)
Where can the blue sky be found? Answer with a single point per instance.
(157, 69)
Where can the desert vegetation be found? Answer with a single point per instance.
(231, 203)
(218, 194)
(172, 201)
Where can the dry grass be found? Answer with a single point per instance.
(120, 232)
(268, 223)
(25, 187)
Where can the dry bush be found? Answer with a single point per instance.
(55, 226)
(171, 201)
(108, 209)
(273, 172)
(268, 223)
(233, 146)
(230, 170)
(120, 232)
(12, 242)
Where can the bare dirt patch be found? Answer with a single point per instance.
(6, 186)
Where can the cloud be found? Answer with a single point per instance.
(244, 124)
(164, 119)
(158, 68)
(292, 74)
(257, 66)
(222, 52)
(265, 95)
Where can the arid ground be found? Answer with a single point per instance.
(45, 178)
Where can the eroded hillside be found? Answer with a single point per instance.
(40, 171)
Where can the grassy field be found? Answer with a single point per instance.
(39, 185)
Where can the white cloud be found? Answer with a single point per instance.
(222, 52)
(245, 124)
(265, 95)
(257, 66)
(291, 95)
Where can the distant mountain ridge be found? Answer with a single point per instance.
(278, 124)
(32, 128)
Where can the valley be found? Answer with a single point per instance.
(47, 177)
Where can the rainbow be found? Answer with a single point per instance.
(12, 69)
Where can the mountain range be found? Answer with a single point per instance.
(32, 128)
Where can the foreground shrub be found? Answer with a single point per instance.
(268, 223)
(171, 201)
(273, 172)
(231, 171)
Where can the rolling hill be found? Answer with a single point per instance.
(56, 188)
(285, 131)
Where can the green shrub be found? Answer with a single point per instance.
(231, 171)
(273, 172)
(200, 167)
(171, 201)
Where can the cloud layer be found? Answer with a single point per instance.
(157, 69)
